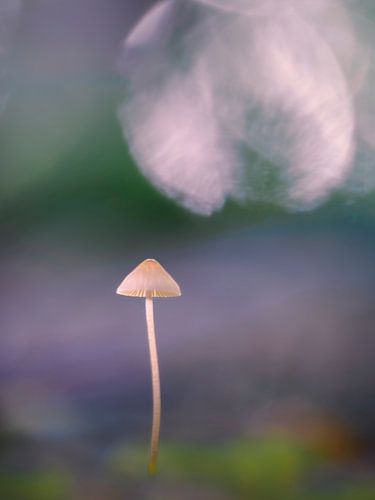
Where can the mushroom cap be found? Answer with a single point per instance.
(149, 279)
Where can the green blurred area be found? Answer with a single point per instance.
(267, 468)
(34, 486)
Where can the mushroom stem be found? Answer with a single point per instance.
(155, 385)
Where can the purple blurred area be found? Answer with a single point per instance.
(273, 334)
(74, 33)
(264, 315)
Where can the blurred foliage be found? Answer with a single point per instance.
(33, 486)
(263, 469)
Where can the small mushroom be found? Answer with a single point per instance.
(149, 279)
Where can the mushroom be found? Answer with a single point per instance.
(149, 279)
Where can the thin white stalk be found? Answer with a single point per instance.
(155, 385)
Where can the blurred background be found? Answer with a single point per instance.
(115, 148)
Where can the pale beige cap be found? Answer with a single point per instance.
(149, 279)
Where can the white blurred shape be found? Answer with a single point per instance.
(182, 139)
(209, 88)
(150, 25)
(295, 112)
(249, 7)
